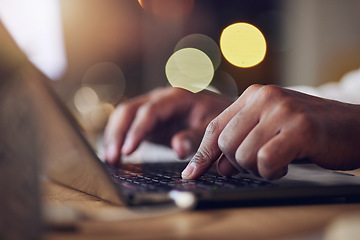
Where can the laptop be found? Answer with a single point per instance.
(68, 159)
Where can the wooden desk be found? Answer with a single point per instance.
(100, 220)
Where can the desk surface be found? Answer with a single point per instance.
(97, 219)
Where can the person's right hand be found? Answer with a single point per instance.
(268, 127)
(171, 116)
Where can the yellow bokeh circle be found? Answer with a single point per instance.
(189, 68)
(243, 45)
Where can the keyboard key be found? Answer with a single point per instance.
(158, 177)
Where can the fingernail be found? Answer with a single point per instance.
(186, 174)
(126, 148)
(111, 152)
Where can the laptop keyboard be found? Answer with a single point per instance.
(162, 177)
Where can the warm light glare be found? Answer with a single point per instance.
(98, 117)
(36, 27)
(86, 100)
(102, 88)
(168, 9)
(243, 45)
(189, 68)
(225, 84)
(107, 80)
(91, 111)
(203, 43)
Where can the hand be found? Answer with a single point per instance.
(268, 127)
(171, 116)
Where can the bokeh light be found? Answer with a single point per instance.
(107, 80)
(98, 117)
(85, 100)
(189, 68)
(243, 45)
(225, 84)
(168, 10)
(102, 87)
(203, 43)
(91, 112)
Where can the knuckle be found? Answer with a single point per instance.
(158, 93)
(212, 128)
(271, 89)
(268, 92)
(169, 91)
(122, 107)
(306, 125)
(305, 122)
(254, 87)
(120, 110)
(287, 107)
(245, 161)
(159, 90)
(266, 158)
(174, 89)
(147, 110)
(268, 166)
(225, 143)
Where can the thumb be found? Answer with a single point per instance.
(186, 142)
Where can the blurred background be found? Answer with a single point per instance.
(99, 52)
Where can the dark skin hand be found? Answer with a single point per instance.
(268, 127)
(178, 117)
(263, 131)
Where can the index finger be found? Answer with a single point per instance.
(209, 150)
(117, 127)
(207, 153)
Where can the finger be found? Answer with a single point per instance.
(225, 167)
(239, 127)
(187, 141)
(247, 153)
(275, 156)
(209, 150)
(236, 132)
(165, 105)
(117, 127)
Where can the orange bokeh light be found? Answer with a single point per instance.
(168, 9)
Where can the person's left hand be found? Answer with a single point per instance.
(170, 116)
